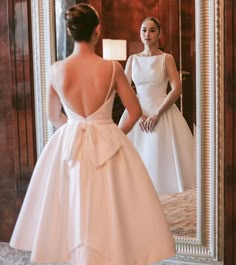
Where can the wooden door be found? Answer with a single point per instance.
(17, 129)
(187, 61)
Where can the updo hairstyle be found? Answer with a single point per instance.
(81, 20)
(156, 21)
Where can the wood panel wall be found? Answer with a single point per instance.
(123, 19)
(188, 64)
(230, 131)
(17, 133)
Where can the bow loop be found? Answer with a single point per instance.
(96, 136)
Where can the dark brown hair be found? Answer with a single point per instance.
(156, 21)
(81, 20)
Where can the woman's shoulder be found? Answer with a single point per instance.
(109, 63)
(54, 68)
(169, 58)
(168, 55)
(130, 57)
(107, 66)
(57, 65)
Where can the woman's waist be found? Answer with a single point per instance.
(152, 95)
(151, 88)
(151, 100)
(89, 121)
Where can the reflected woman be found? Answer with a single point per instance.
(162, 136)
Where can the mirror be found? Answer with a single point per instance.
(177, 38)
(205, 245)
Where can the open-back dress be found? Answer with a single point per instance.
(90, 198)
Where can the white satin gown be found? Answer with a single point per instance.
(168, 152)
(90, 200)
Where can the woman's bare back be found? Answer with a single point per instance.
(83, 82)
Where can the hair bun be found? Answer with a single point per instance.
(81, 19)
(73, 18)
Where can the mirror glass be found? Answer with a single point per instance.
(177, 38)
(196, 217)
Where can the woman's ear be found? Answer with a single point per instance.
(96, 34)
(98, 30)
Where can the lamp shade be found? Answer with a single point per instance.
(114, 49)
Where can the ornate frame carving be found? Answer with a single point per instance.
(207, 247)
(43, 41)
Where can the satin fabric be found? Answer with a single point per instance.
(168, 152)
(90, 200)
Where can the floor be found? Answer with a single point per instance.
(181, 212)
(9, 256)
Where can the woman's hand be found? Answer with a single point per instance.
(142, 123)
(150, 122)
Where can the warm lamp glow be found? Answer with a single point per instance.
(114, 49)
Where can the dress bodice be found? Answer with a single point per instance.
(150, 77)
(95, 132)
(104, 112)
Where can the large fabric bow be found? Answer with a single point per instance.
(96, 136)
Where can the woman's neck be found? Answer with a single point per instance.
(83, 48)
(149, 51)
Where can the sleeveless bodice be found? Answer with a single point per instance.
(95, 131)
(104, 112)
(151, 79)
(168, 151)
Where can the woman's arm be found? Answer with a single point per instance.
(128, 97)
(128, 69)
(175, 83)
(128, 73)
(53, 105)
(173, 95)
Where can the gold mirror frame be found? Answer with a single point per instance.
(207, 246)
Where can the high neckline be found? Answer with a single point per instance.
(148, 56)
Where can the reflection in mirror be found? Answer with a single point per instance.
(64, 44)
(174, 181)
(168, 147)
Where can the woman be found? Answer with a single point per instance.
(162, 137)
(90, 200)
